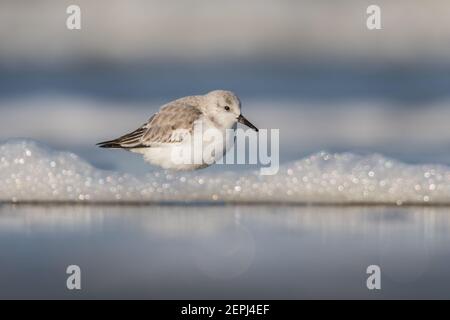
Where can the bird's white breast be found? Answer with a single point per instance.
(205, 147)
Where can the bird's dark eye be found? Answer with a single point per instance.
(227, 108)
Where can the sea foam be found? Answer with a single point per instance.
(31, 172)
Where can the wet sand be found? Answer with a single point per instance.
(228, 252)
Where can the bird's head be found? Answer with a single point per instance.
(225, 108)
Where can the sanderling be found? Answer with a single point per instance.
(174, 127)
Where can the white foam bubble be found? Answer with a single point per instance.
(32, 172)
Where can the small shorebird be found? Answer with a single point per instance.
(174, 128)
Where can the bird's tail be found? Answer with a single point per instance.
(110, 144)
(128, 141)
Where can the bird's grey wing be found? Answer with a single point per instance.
(169, 125)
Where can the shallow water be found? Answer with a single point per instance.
(224, 251)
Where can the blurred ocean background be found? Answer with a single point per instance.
(309, 68)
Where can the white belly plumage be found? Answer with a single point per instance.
(197, 153)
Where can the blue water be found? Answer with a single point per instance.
(228, 252)
(410, 84)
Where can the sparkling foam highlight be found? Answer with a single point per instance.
(31, 172)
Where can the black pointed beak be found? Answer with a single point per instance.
(243, 120)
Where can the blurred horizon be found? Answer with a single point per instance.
(116, 32)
